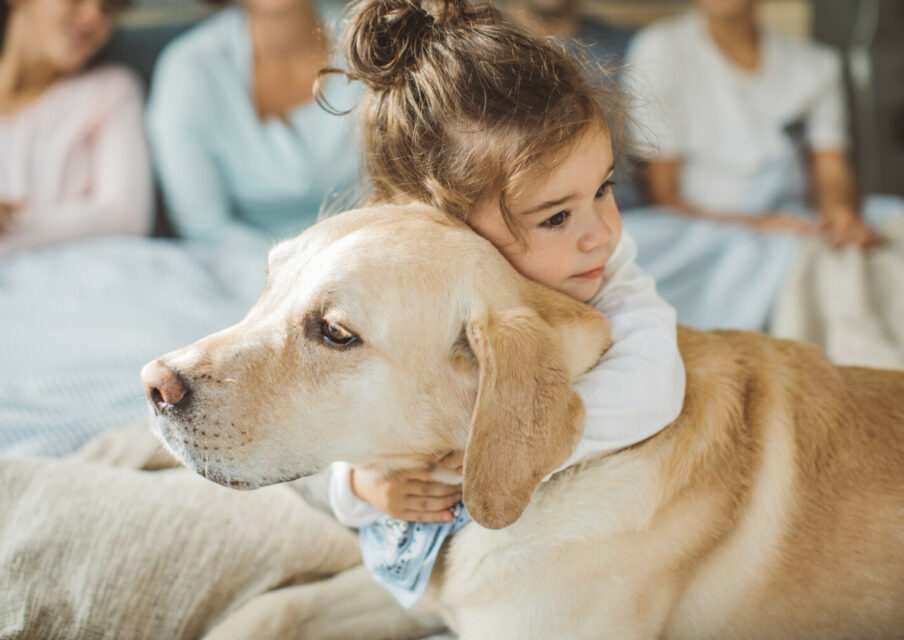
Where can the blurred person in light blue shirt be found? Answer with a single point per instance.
(243, 151)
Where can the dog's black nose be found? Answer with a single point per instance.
(164, 387)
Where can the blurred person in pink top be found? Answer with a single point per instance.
(73, 157)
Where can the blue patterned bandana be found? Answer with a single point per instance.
(401, 554)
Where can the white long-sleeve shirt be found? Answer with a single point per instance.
(738, 133)
(77, 162)
(635, 390)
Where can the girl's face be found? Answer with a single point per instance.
(66, 33)
(571, 221)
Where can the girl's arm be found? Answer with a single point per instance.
(121, 200)
(638, 386)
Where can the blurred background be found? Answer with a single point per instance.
(81, 309)
(868, 33)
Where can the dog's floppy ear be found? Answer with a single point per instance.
(527, 420)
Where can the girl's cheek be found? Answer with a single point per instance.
(613, 218)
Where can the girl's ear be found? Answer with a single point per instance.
(527, 420)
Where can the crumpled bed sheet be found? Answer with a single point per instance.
(849, 302)
(89, 549)
(78, 321)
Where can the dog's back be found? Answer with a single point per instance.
(773, 507)
(815, 475)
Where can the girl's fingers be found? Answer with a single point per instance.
(420, 516)
(431, 505)
(434, 489)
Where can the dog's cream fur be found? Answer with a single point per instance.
(773, 507)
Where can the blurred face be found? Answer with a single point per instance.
(552, 8)
(66, 33)
(726, 9)
(274, 7)
(570, 219)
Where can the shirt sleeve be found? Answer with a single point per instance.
(348, 508)
(195, 193)
(827, 120)
(638, 386)
(653, 94)
(121, 200)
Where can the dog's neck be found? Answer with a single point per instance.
(386, 468)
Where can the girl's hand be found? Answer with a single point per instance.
(847, 229)
(408, 495)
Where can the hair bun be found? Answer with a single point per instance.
(385, 39)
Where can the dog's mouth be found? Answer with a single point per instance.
(226, 480)
(213, 467)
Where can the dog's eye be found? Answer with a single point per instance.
(336, 334)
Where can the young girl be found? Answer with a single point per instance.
(469, 113)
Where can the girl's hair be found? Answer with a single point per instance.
(461, 103)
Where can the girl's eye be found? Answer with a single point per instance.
(605, 188)
(556, 220)
(336, 334)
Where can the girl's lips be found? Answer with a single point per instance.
(592, 275)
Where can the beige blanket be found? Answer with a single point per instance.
(93, 550)
(849, 302)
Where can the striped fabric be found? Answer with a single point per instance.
(78, 321)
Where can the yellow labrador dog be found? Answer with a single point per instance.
(773, 507)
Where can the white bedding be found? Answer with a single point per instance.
(849, 302)
(78, 321)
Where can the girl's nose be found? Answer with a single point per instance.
(596, 233)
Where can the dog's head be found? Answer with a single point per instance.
(384, 336)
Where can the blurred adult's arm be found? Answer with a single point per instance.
(7, 211)
(833, 183)
(836, 198)
(120, 200)
(662, 181)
